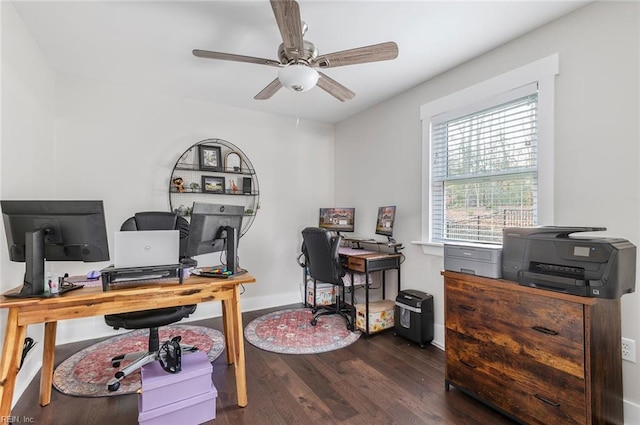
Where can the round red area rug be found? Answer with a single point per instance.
(290, 332)
(87, 372)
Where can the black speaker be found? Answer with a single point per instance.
(246, 185)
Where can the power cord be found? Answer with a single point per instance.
(29, 343)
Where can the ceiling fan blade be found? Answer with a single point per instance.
(287, 13)
(269, 91)
(373, 53)
(235, 58)
(334, 88)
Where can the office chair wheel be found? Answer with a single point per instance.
(115, 361)
(314, 322)
(114, 386)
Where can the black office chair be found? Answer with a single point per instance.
(151, 319)
(320, 249)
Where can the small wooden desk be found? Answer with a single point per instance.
(92, 301)
(366, 262)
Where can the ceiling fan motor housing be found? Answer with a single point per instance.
(309, 53)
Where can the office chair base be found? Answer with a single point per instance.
(347, 317)
(140, 359)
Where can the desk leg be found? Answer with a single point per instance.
(227, 322)
(48, 352)
(384, 284)
(366, 302)
(241, 373)
(11, 354)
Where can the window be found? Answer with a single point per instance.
(484, 169)
(488, 157)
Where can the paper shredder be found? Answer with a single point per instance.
(414, 316)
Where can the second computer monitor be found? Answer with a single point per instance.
(384, 223)
(215, 228)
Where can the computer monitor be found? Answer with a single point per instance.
(215, 228)
(384, 224)
(54, 231)
(337, 219)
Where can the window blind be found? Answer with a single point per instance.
(484, 170)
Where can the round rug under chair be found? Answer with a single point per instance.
(87, 372)
(290, 332)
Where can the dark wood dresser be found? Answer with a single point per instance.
(539, 356)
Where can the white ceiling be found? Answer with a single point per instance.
(147, 45)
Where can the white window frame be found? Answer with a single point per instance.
(543, 73)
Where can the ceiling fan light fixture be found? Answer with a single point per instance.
(298, 77)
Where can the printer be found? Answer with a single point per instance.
(548, 257)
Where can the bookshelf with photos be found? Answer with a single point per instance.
(214, 171)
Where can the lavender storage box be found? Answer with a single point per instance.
(160, 388)
(191, 411)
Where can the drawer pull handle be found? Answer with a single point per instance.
(467, 364)
(544, 400)
(466, 307)
(545, 330)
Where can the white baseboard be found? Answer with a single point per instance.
(438, 336)
(631, 413)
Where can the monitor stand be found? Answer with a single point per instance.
(33, 282)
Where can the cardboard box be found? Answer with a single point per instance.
(381, 315)
(161, 388)
(326, 293)
(191, 411)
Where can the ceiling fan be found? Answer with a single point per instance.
(298, 57)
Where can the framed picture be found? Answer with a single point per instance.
(232, 162)
(210, 157)
(213, 184)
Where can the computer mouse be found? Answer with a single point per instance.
(93, 274)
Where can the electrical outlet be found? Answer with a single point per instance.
(628, 350)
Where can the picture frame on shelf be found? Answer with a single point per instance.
(213, 184)
(210, 157)
(233, 162)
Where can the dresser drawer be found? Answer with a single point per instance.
(535, 393)
(547, 330)
(356, 264)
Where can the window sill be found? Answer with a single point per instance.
(431, 248)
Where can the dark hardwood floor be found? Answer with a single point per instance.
(382, 379)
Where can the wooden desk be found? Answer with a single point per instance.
(366, 262)
(92, 301)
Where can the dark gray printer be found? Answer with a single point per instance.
(548, 257)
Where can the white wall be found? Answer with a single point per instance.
(26, 146)
(71, 138)
(596, 150)
(120, 146)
